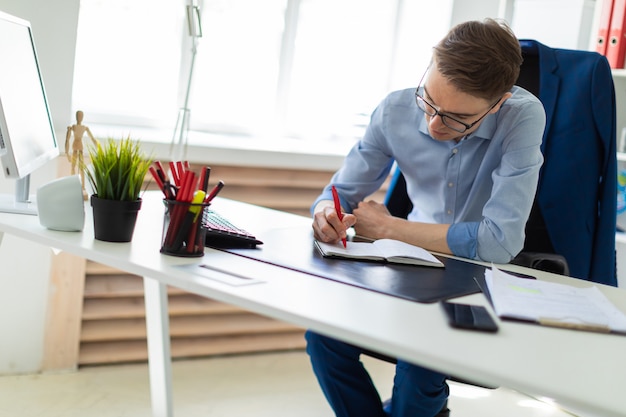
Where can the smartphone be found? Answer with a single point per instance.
(466, 316)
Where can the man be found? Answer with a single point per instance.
(468, 143)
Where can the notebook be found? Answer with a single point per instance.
(381, 250)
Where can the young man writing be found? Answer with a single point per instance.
(468, 143)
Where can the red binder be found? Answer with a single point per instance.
(603, 28)
(616, 47)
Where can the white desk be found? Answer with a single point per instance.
(581, 370)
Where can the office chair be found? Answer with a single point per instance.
(572, 224)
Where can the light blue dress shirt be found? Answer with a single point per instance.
(483, 186)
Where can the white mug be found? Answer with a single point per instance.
(60, 204)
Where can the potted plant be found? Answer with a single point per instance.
(116, 175)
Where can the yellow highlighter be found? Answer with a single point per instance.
(196, 201)
(190, 218)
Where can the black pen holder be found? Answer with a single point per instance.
(183, 234)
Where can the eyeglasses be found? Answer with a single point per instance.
(448, 121)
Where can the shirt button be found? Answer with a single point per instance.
(449, 211)
(450, 184)
(455, 151)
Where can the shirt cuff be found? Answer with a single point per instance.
(462, 238)
(324, 196)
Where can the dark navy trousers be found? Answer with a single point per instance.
(348, 387)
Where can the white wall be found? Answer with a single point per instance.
(26, 266)
(538, 19)
(463, 10)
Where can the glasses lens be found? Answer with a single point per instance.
(425, 107)
(431, 111)
(453, 124)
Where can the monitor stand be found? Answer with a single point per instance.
(21, 202)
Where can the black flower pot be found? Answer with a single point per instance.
(114, 220)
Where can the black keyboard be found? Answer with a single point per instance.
(221, 233)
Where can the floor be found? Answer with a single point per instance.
(260, 385)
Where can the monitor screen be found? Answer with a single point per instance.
(27, 138)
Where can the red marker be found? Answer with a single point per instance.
(214, 192)
(338, 210)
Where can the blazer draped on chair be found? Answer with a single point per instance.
(577, 193)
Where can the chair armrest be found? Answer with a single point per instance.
(549, 262)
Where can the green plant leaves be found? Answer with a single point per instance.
(117, 169)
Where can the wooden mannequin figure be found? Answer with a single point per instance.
(76, 158)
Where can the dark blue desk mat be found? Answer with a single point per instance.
(293, 248)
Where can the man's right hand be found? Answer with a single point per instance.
(326, 224)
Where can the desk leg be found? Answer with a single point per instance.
(159, 356)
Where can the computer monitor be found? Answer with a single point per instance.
(27, 138)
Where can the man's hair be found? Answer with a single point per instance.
(481, 59)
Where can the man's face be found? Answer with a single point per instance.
(449, 111)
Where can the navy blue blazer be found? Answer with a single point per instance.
(577, 191)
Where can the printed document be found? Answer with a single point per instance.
(552, 304)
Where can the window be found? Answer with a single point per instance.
(309, 69)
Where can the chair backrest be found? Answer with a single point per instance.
(537, 238)
(574, 212)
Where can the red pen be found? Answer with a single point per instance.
(338, 210)
(157, 179)
(214, 192)
(174, 173)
